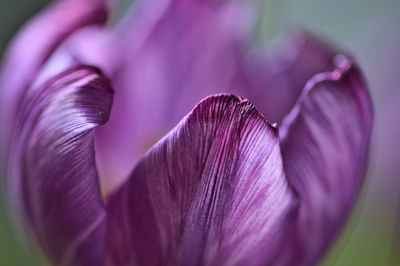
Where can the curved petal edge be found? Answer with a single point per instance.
(325, 145)
(35, 43)
(52, 178)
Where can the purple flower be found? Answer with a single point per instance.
(224, 186)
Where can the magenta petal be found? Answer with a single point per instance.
(212, 192)
(36, 42)
(325, 142)
(52, 177)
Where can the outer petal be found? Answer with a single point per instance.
(35, 43)
(212, 192)
(325, 142)
(52, 176)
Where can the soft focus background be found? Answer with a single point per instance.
(370, 30)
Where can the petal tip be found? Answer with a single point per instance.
(227, 99)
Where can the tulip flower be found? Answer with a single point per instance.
(126, 144)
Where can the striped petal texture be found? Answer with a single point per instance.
(224, 186)
(325, 142)
(212, 192)
(52, 176)
(35, 43)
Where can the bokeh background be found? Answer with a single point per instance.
(370, 30)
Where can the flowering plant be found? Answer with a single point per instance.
(82, 103)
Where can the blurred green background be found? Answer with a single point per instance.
(370, 30)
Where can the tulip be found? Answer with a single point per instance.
(84, 103)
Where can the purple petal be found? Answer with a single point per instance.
(277, 77)
(212, 192)
(52, 177)
(325, 142)
(36, 42)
